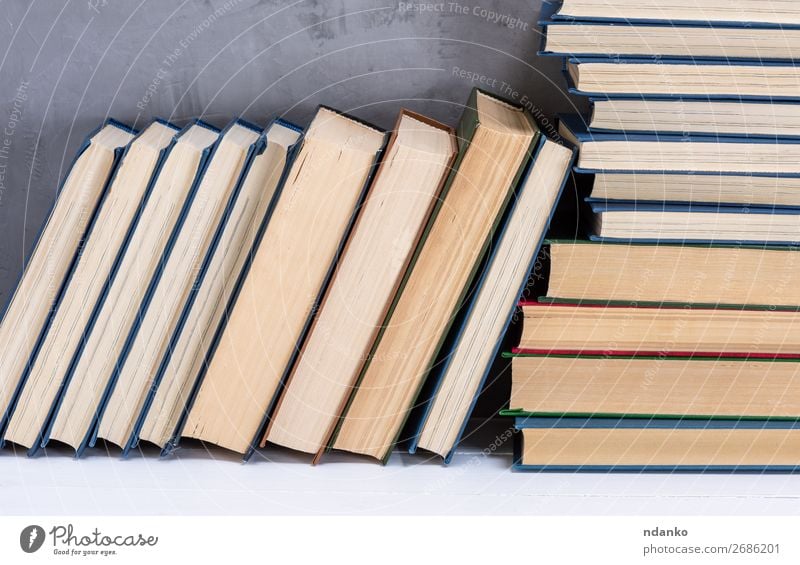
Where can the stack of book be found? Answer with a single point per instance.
(670, 337)
(251, 286)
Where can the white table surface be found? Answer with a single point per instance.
(197, 480)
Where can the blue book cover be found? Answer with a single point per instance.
(134, 438)
(532, 422)
(203, 164)
(644, 27)
(118, 153)
(576, 129)
(433, 383)
(43, 436)
(678, 101)
(598, 207)
(673, 61)
(768, 21)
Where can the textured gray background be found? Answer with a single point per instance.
(64, 67)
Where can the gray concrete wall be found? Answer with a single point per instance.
(64, 67)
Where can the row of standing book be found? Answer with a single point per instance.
(316, 290)
(668, 338)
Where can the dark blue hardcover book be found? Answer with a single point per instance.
(599, 207)
(573, 88)
(433, 383)
(118, 153)
(575, 129)
(728, 17)
(174, 440)
(677, 101)
(89, 438)
(784, 429)
(330, 269)
(43, 436)
(674, 28)
(133, 440)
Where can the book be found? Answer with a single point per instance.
(687, 188)
(635, 221)
(456, 387)
(666, 39)
(655, 387)
(496, 140)
(285, 282)
(617, 152)
(156, 228)
(680, 330)
(94, 270)
(750, 13)
(655, 445)
(636, 274)
(683, 78)
(31, 306)
(406, 186)
(171, 388)
(149, 339)
(757, 118)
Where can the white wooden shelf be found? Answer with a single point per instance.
(196, 480)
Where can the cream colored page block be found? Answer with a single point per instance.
(769, 11)
(208, 310)
(561, 446)
(152, 339)
(86, 283)
(431, 293)
(699, 226)
(654, 329)
(697, 156)
(655, 386)
(674, 273)
(118, 314)
(47, 266)
(720, 188)
(715, 117)
(282, 284)
(669, 41)
(710, 79)
(364, 285)
(496, 299)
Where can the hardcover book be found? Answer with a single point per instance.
(285, 282)
(170, 392)
(37, 295)
(160, 219)
(407, 184)
(656, 445)
(618, 152)
(718, 275)
(496, 140)
(95, 270)
(149, 339)
(683, 78)
(445, 412)
(655, 386)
